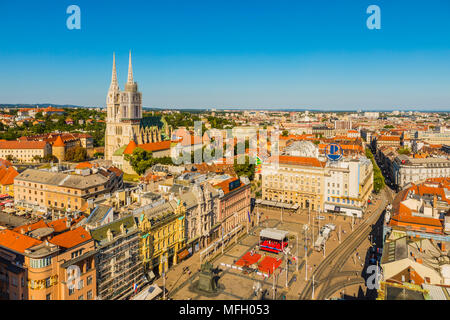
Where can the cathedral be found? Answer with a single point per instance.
(124, 121)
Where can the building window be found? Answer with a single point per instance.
(48, 296)
(89, 295)
(89, 280)
(81, 297)
(40, 263)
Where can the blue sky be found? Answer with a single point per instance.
(202, 54)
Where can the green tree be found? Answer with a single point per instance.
(141, 160)
(405, 151)
(37, 158)
(246, 169)
(49, 158)
(378, 178)
(76, 154)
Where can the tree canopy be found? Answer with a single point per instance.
(141, 160)
(378, 178)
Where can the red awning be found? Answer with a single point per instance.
(183, 254)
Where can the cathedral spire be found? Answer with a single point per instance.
(114, 83)
(130, 71)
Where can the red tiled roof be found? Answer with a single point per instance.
(71, 238)
(190, 141)
(3, 171)
(298, 137)
(152, 146)
(31, 227)
(59, 142)
(5, 163)
(403, 215)
(60, 225)
(225, 185)
(404, 219)
(356, 147)
(303, 161)
(16, 241)
(116, 171)
(9, 176)
(84, 165)
(130, 147)
(51, 137)
(389, 138)
(22, 144)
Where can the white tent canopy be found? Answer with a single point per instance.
(272, 233)
(148, 293)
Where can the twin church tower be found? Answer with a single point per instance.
(124, 121)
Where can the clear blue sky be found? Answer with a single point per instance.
(230, 53)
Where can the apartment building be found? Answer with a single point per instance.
(294, 180)
(24, 151)
(57, 193)
(391, 141)
(439, 136)
(407, 169)
(200, 201)
(162, 237)
(415, 261)
(119, 265)
(49, 262)
(348, 185)
(234, 203)
(422, 209)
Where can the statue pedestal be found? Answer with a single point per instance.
(206, 282)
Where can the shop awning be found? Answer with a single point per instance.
(183, 254)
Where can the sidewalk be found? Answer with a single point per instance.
(175, 274)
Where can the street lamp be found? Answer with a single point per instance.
(305, 228)
(163, 262)
(286, 252)
(273, 284)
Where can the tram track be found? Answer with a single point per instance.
(342, 284)
(337, 258)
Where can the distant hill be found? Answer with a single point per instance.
(41, 105)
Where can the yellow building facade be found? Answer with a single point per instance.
(162, 236)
